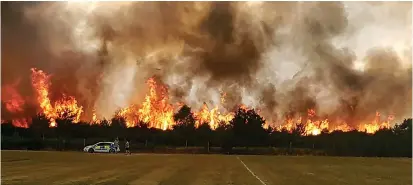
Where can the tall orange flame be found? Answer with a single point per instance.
(67, 107)
(157, 112)
(40, 82)
(213, 117)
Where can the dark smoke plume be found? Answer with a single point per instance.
(343, 59)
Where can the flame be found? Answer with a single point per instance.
(95, 120)
(157, 112)
(65, 108)
(243, 107)
(40, 82)
(12, 99)
(14, 103)
(288, 125)
(342, 127)
(213, 117)
(376, 125)
(314, 127)
(23, 122)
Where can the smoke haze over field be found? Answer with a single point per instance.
(346, 60)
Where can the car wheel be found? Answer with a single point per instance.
(91, 150)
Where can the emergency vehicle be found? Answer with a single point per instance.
(102, 147)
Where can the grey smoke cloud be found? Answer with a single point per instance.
(345, 60)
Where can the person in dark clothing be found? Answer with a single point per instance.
(116, 145)
(127, 150)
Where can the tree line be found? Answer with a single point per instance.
(244, 134)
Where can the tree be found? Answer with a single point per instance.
(118, 127)
(40, 125)
(224, 135)
(185, 124)
(184, 117)
(64, 123)
(298, 130)
(204, 133)
(7, 128)
(404, 127)
(104, 123)
(403, 138)
(248, 129)
(118, 122)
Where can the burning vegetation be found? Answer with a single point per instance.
(157, 112)
(321, 67)
(65, 108)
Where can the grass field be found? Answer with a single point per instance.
(46, 168)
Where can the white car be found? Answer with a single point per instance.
(102, 147)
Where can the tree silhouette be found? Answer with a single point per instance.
(404, 127)
(7, 128)
(184, 117)
(298, 130)
(204, 133)
(247, 128)
(118, 122)
(40, 125)
(104, 123)
(403, 133)
(118, 127)
(184, 128)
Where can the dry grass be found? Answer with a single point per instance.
(70, 168)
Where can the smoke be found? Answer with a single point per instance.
(347, 59)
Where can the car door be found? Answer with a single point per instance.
(106, 147)
(99, 147)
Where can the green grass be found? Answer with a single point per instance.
(47, 168)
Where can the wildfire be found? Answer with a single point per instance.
(342, 127)
(65, 108)
(314, 127)
(95, 120)
(376, 124)
(14, 103)
(21, 122)
(157, 112)
(213, 117)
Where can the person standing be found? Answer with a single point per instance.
(127, 148)
(116, 145)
